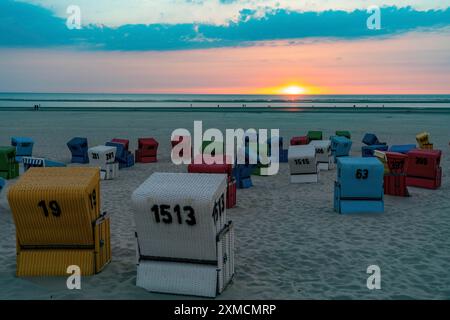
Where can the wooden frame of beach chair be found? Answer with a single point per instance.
(104, 157)
(303, 164)
(59, 222)
(323, 153)
(359, 186)
(186, 244)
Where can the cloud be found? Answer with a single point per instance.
(27, 25)
(115, 13)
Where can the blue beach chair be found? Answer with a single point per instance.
(359, 186)
(283, 153)
(243, 175)
(123, 156)
(2, 184)
(340, 147)
(403, 148)
(24, 147)
(79, 149)
(368, 151)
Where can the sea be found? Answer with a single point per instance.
(142, 102)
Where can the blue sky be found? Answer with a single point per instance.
(41, 23)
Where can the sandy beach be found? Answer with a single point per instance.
(290, 244)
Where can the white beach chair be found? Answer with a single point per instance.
(104, 157)
(303, 164)
(185, 244)
(324, 156)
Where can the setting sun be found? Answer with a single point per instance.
(293, 90)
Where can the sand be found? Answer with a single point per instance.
(290, 244)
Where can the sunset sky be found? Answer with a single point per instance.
(225, 46)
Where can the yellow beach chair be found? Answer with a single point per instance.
(58, 222)
(423, 139)
(380, 155)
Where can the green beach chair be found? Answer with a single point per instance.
(9, 167)
(315, 135)
(344, 133)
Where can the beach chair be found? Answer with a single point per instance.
(79, 149)
(243, 175)
(299, 141)
(359, 186)
(9, 167)
(315, 135)
(283, 153)
(104, 157)
(185, 243)
(340, 147)
(24, 147)
(123, 156)
(344, 133)
(225, 168)
(403, 148)
(424, 170)
(58, 222)
(147, 151)
(324, 157)
(371, 139)
(395, 179)
(303, 164)
(368, 151)
(177, 140)
(33, 162)
(423, 139)
(2, 184)
(381, 156)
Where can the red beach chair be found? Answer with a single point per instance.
(424, 169)
(299, 141)
(225, 168)
(395, 180)
(147, 150)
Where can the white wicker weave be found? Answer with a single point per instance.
(303, 164)
(181, 223)
(323, 153)
(104, 157)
